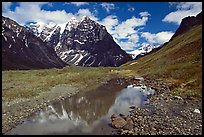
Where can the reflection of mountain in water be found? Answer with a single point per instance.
(91, 105)
(86, 113)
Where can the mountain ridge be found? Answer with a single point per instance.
(87, 43)
(187, 23)
(81, 43)
(21, 49)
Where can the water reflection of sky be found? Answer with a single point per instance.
(128, 97)
(84, 114)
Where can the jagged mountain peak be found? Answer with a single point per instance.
(85, 18)
(83, 43)
(21, 49)
(87, 43)
(72, 23)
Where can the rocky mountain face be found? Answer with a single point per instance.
(187, 23)
(85, 43)
(21, 49)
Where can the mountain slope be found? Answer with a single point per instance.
(179, 62)
(21, 49)
(87, 43)
(187, 23)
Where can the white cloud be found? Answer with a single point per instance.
(131, 9)
(6, 6)
(144, 14)
(134, 38)
(127, 45)
(158, 38)
(130, 43)
(79, 3)
(128, 27)
(110, 22)
(108, 6)
(85, 12)
(184, 9)
(125, 33)
(31, 11)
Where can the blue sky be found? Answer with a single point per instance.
(132, 24)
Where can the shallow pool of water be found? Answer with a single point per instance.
(86, 113)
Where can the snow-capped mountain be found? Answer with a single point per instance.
(84, 43)
(142, 51)
(21, 49)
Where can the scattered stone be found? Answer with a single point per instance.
(165, 114)
(178, 97)
(197, 111)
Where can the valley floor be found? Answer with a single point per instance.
(24, 92)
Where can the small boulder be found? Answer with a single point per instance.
(178, 97)
(119, 123)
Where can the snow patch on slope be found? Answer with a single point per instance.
(79, 42)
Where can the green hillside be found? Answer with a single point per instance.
(179, 63)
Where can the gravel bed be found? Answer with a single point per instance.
(165, 114)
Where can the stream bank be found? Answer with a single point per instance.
(165, 114)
